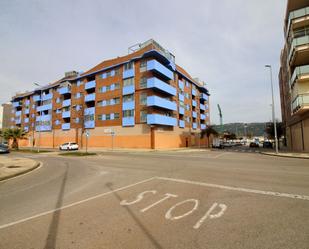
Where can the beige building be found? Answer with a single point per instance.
(294, 75)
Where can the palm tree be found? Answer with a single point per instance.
(208, 131)
(15, 134)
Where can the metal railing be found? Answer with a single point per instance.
(300, 101)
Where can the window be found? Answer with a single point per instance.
(117, 85)
(108, 102)
(79, 82)
(108, 117)
(76, 120)
(181, 103)
(102, 89)
(187, 95)
(101, 117)
(128, 113)
(128, 82)
(187, 84)
(77, 95)
(58, 111)
(116, 115)
(77, 107)
(108, 88)
(143, 98)
(128, 98)
(143, 82)
(116, 101)
(58, 100)
(143, 116)
(100, 103)
(89, 117)
(129, 65)
(143, 66)
(57, 122)
(117, 71)
(108, 74)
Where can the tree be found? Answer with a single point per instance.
(15, 134)
(270, 131)
(209, 131)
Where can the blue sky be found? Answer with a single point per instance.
(225, 43)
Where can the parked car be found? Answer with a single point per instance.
(254, 145)
(4, 148)
(68, 146)
(267, 144)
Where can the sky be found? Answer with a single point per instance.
(225, 43)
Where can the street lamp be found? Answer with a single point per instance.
(273, 106)
(40, 116)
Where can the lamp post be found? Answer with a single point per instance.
(40, 117)
(273, 106)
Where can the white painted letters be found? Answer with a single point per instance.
(169, 215)
(138, 199)
(167, 196)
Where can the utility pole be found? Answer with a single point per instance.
(273, 106)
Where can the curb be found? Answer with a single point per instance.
(281, 155)
(4, 178)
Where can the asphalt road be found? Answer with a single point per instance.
(218, 199)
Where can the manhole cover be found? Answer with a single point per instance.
(13, 167)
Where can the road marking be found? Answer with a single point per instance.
(255, 191)
(138, 199)
(167, 196)
(74, 204)
(169, 215)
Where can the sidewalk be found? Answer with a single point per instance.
(11, 167)
(288, 154)
(182, 150)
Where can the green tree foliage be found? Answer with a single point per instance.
(14, 134)
(270, 131)
(209, 131)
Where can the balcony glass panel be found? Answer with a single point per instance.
(158, 119)
(27, 111)
(202, 107)
(181, 110)
(203, 126)
(65, 126)
(90, 97)
(44, 107)
(298, 42)
(128, 90)
(181, 85)
(89, 124)
(128, 73)
(90, 85)
(156, 66)
(43, 118)
(130, 105)
(64, 90)
(181, 97)
(66, 114)
(194, 126)
(300, 101)
(66, 102)
(161, 85)
(194, 103)
(161, 102)
(89, 111)
(298, 72)
(36, 98)
(47, 96)
(194, 114)
(193, 92)
(128, 121)
(203, 116)
(181, 124)
(26, 120)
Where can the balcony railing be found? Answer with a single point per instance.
(66, 114)
(65, 126)
(203, 126)
(154, 65)
(36, 98)
(89, 124)
(17, 113)
(64, 90)
(304, 40)
(128, 89)
(181, 85)
(181, 124)
(47, 96)
(181, 110)
(194, 125)
(202, 107)
(204, 96)
(16, 104)
(44, 107)
(203, 116)
(161, 85)
(193, 92)
(130, 105)
(181, 97)
(27, 111)
(194, 114)
(90, 97)
(194, 103)
(43, 118)
(299, 72)
(26, 120)
(129, 73)
(128, 121)
(66, 103)
(295, 15)
(300, 103)
(90, 85)
(161, 102)
(159, 119)
(89, 111)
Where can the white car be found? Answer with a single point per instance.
(68, 146)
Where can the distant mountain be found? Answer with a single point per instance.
(242, 129)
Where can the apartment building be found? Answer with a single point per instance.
(294, 75)
(140, 100)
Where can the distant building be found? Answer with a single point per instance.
(294, 75)
(5, 115)
(140, 100)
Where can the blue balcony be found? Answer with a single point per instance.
(161, 85)
(181, 97)
(128, 121)
(128, 73)
(161, 102)
(89, 111)
(203, 126)
(45, 127)
(202, 107)
(204, 96)
(44, 107)
(181, 110)
(181, 124)
(26, 120)
(194, 103)
(156, 66)
(16, 104)
(43, 118)
(194, 114)
(17, 113)
(158, 119)
(89, 124)
(128, 90)
(203, 116)
(193, 92)
(66, 102)
(18, 120)
(194, 125)
(64, 90)
(90, 85)
(36, 98)
(90, 97)
(130, 105)
(66, 114)
(26, 128)
(181, 85)
(47, 96)
(27, 102)
(27, 111)
(65, 126)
